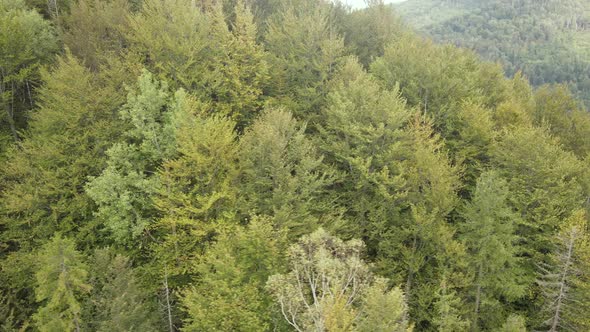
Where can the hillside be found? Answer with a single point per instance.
(547, 40)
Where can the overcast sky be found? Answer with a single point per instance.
(361, 3)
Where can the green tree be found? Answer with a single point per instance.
(123, 191)
(117, 302)
(557, 109)
(229, 293)
(27, 41)
(448, 308)
(197, 191)
(94, 30)
(360, 135)
(304, 51)
(61, 281)
(514, 323)
(489, 234)
(65, 143)
(282, 173)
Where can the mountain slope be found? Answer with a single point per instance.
(547, 40)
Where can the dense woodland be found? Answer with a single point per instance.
(548, 40)
(266, 165)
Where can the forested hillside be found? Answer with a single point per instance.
(258, 165)
(548, 40)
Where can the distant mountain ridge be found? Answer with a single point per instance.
(548, 40)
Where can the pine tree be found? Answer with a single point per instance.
(61, 281)
(489, 234)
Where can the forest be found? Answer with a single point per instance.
(280, 165)
(547, 40)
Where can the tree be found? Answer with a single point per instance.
(228, 75)
(117, 302)
(229, 293)
(304, 51)
(557, 109)
(489, 234)
(563, 279)
(26, 42)
(328, 285)
(94, 30)
(282, 173)
(65, 143)
(514, 323)
(123, 190)
(448, 310)
(61, 281)
(197, 191)
(359, 135)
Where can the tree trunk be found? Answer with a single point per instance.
(168, 307)
(477, 298)
(562, 286)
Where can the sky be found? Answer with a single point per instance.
(361, 3)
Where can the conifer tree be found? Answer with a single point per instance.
(448, 316)
(61, 281)
(65, 143)
(197, 188)
(489, 234)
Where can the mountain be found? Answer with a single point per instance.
(548, 40)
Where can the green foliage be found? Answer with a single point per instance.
(448, 316)
(27, 41)
(197, 188)
(563, 279)
(229, 294)
(122, 192)
(68, 134)
(61, 280)
(514, 323)
(383, 310)
(116, 302)
(489, 235)
(202, 142)
(304, 51)
(282, 174)
(93, 30)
